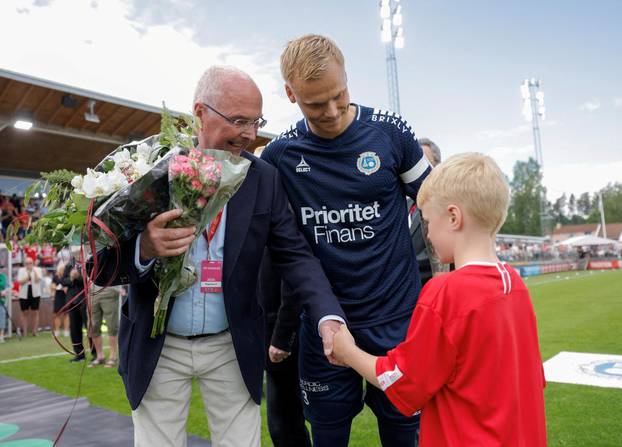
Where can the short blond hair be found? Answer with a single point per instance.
(472, 181)
(307, 57)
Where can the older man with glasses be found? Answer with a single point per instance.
(217, 336)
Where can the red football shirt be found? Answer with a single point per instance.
(471, 362)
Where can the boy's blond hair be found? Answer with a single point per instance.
(308, 56)
(472, 181)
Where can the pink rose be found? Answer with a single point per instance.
(196, 185)
(201, 202)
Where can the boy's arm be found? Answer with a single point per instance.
(347, 353)
(411, 373)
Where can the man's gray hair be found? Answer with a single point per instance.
(433, 147)
(209, 88)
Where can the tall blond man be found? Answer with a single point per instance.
(347, 170)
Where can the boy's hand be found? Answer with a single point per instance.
(343, 343)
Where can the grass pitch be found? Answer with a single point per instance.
(579, 312)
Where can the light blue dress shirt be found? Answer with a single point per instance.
(196, 312)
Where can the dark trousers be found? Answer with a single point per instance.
(77, 321)
(286, 422)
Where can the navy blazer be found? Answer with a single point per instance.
(258, 216)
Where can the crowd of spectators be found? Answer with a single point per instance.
(13, 209)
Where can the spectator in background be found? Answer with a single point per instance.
(63, 255)
(286, 422)
(59, 284)
(46, 284)
(428, 265)
(30, 279)
(105, 307)
(47, 253)
(8, 213)
(77, 314)
(3, 310)
(431, 151)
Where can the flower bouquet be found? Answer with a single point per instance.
(114, 201)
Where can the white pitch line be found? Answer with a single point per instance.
(34, 357)
(566, 278)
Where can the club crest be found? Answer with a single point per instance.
(368, 163)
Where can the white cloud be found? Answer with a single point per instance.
(578, 178)
(100, 49)
(494, 134)
(511, 133)
(507, 156)
(591, 105)
(570, 178)
(617, 102)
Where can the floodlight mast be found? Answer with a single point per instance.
(392, 35)
(534, 111)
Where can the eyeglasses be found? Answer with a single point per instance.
(240, 123)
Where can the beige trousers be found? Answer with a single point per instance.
(233, 417)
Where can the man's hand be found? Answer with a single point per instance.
(158, 241)
(328, 329)
(277, 355)
(343, 342)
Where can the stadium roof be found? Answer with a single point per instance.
(72, 128)
(614, 230)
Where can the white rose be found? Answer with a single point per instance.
(143, 150)
(122, 157)
(114, 181)
(76, 182)
(142, 166)
(91, 184)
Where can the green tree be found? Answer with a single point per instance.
(558, 211)
(612, 204)
(572, 206)
(584, 204)
(526, 187)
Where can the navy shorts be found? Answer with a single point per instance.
(332, 395)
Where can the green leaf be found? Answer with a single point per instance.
(77, 218)
(80, 201)
(108, 165)
(31, 190)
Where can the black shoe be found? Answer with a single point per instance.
(77, 359)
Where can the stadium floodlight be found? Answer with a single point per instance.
(90, 114)
(392, 35)
(534, 111)
(385, 9)
(524, 90)
(399, 38)
(397, 17)
(23, 124)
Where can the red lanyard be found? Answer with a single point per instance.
(412, 210)
(212, 228)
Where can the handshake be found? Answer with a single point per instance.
(336, 339)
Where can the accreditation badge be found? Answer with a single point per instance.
(211, 276)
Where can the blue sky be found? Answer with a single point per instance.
(459, 73)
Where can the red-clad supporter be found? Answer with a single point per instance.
(30, 251)
(47, 255)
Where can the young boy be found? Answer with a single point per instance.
(471, 361)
